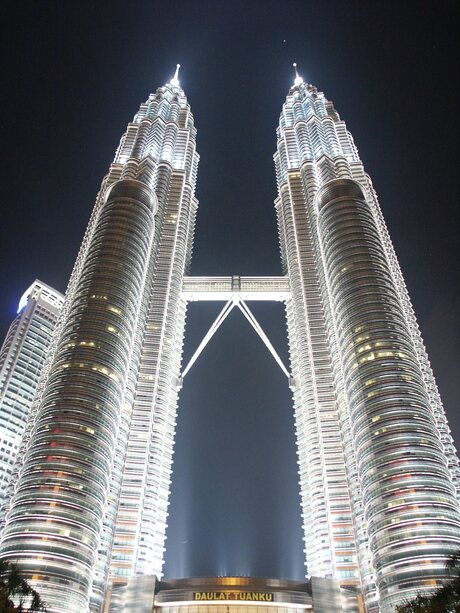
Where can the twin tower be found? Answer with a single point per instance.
(379, 477)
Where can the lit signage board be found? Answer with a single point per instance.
(229, 595)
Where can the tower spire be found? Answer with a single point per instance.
(175, 80)
(298, 79)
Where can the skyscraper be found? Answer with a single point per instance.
(378, 470)
(22, 358)
(112, 386)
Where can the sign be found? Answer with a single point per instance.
(228, 595)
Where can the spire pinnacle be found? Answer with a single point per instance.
(175, 80)
(298, 79)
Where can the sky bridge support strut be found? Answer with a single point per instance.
(235, 301)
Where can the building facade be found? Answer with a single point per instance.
(378, 471)
(22, 358)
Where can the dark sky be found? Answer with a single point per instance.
(72, 76)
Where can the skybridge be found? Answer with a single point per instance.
(225, 288)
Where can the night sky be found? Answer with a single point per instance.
(73, 75)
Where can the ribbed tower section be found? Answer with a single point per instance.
(95, 465)
(164, 129)
(378, 469)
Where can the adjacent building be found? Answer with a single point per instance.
(379, 474)
(22, 358)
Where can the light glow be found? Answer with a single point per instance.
(298, 79)
(175, 80)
